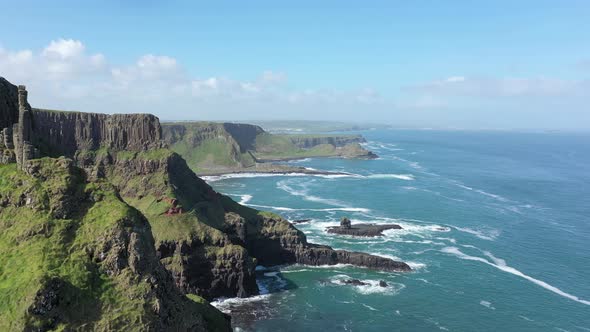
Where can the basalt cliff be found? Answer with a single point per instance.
(213, 148)
(102, 227)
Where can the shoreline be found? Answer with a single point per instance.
(274, 169)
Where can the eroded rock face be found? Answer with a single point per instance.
(65, 133)
(337, 141)
(198, 268)
(8, 104)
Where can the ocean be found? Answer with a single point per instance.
(496, 226)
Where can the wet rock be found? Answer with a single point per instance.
(354, 282)
(345, 223)
(300, 221)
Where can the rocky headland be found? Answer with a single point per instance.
(212, 148)
(360, 229)
(120, 234)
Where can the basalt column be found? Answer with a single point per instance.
(24, 150)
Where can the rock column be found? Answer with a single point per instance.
(24, 150)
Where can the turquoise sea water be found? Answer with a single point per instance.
(496, 227)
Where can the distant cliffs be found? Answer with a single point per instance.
(211, 147)
(308, 142)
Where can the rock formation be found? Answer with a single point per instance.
(370, 230)
(345, 223)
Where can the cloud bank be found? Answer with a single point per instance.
(64, 75)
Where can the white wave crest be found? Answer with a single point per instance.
(369, 307)
(225, 304)
(500, 264)
(482, 192)
(245, 199)
(214, 178)
(406, 177)
(487, 304)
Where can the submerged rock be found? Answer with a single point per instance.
(357, 282)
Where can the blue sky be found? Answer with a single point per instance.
(449, 64)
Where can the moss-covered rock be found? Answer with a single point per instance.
(74, 256)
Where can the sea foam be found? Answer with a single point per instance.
(500, 264)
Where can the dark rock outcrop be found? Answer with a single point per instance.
(278, 242)
(354, 282)
(369, 230)
(244, 134)
(345, 223)
(300, 221)
(8, 104)
(357, 282)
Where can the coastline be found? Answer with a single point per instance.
(271, 169)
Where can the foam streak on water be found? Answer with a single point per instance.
(500, 264)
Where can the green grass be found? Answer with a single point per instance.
(272, 146)
(210, 153)
(36, 248)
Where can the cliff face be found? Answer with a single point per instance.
(244, 134)
(65, 133)
(8, 104)
(308, 142)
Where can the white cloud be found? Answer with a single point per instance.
(64, 49)
(65, 75)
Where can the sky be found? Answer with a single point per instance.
(424, 64)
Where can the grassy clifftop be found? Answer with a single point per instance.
(73, 255)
